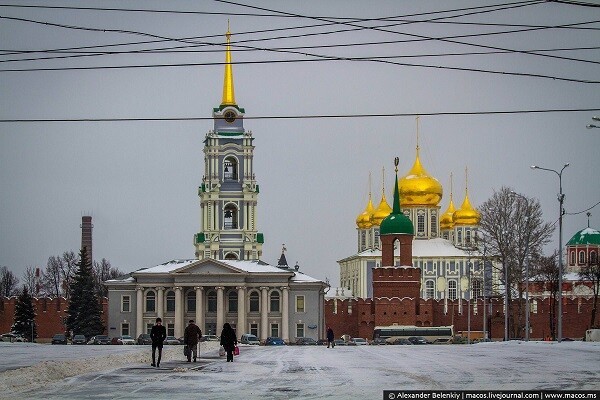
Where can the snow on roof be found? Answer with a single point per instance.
(255, 266)
(426, 248)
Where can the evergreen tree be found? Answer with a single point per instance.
(84, 313)
(24, 321)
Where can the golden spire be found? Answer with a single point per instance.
(363, 221)
(228, 92)
(466, 214)
(384, 209)
(418, 188)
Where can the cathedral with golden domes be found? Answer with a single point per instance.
(443, 246)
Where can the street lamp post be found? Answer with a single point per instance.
(590, 126)
(561, 199)
(526, 255)
(505, 267)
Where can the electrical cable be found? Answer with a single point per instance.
(287, 117)
(581, 212)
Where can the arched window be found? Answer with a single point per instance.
(231, 256)
(429, 289)
(191, 301)
(230, 216)
(170, 301)
(421, 221)
(452, 289)
(211, 302)
(150, 301)
(230, 168)
(232, 301)
(572, 258)
(459, 236)
(582, 257)
(254, 302)
(468, 236)
(434, 225)
(274, 301)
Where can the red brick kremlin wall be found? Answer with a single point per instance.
(50, 315)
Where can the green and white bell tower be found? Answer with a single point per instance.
(229, 192)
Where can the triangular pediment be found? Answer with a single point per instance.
(208, 266)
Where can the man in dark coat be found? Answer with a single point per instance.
(158, 334)
(191, 336)
(330, 337)
(228, 340)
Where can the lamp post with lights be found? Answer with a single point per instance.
(561, 199)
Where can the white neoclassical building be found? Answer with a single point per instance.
(227, 282)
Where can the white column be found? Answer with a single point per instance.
(220, 309)
(160, 301)
(139, 311)
(285, 315)
(200, 307)
(241, 320)
(264, 313)
(178, 312)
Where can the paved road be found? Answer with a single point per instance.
(362, 372)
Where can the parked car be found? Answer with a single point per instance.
(78, 339)
(248, 338)
(340, 342)
(322, 342)
(417, 340)
(209, 338)
(378, 341)
(12, 337)
(402, 341)
(99, 339)
(171, 340)
(144, 338)
(59, 338)
(306, 341)
(125, 339)
(274, 341)
(358, 341)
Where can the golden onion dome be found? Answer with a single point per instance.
(466, 214)
(382, 211)
(446, 221)
(363, 221)
(418, 188)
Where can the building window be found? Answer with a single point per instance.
(421, 221)
(452, 289)
(274, 303)
(254, 302)
(170, 301)
(232, 301)
(170, 329)
(150, 301)
(230, 216)
(254, 329)
(572, 258)
(149, 327)
(363, 240)
(191, 301)
(476, 288)
(299, 330)
(211, 302)
(593, 258)
(434, 225)
(274, 330)
(300, 304)
(230, 169)
(582, 257)
(459, 237)
(124, 329)
(468, 236)
(125, 303)
(429, 289)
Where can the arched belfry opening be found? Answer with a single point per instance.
(230, 169)
(230, 216)
(231, 256)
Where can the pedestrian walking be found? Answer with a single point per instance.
(191, 337)
(228, 341)
(158, 334)
(330, 337)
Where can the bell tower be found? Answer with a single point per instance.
(229, 192)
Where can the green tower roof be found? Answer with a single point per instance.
(585, 236)
(396, 222)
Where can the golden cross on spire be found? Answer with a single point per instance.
(418, 117)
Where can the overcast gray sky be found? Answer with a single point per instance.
(139, 179)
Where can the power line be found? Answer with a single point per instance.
(322, 116)
(581, 212)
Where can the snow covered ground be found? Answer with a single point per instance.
(307, 372)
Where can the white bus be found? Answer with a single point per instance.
(432, 334)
